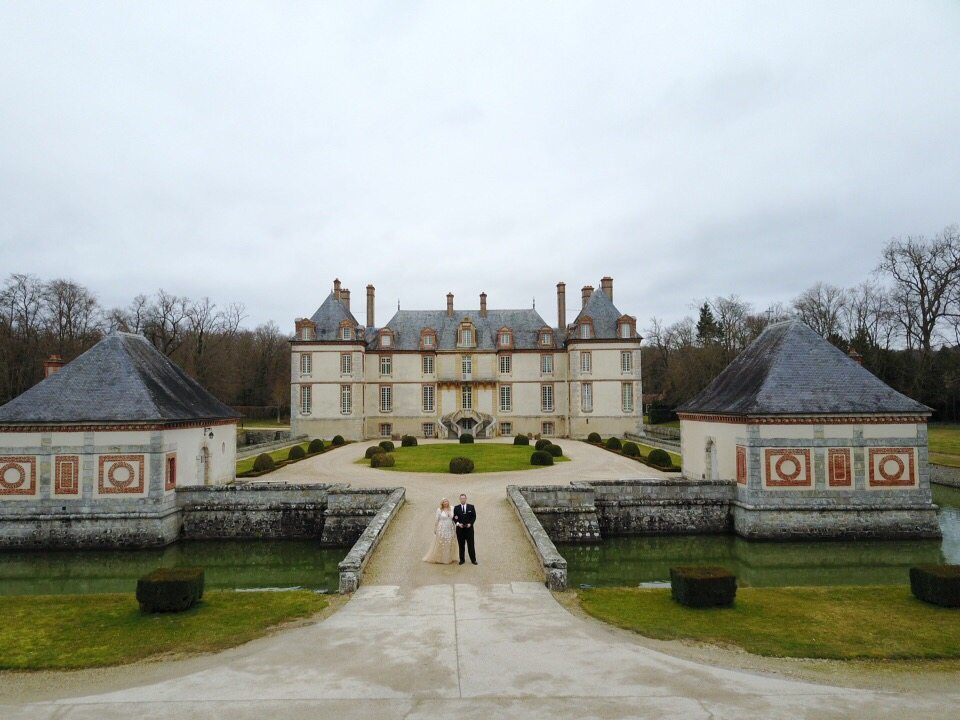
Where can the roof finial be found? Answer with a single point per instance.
(398, 304)
(534, 302)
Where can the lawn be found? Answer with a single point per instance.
(61, 632)
(487, 457)
(841, 623)
(944, 441)
(246, 464)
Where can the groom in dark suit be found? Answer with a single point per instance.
(465, 516)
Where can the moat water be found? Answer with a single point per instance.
(636, 560)
(228, 564)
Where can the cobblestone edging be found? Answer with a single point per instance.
(553, 563)
(351, 567)
(246, 451)
(943, 475)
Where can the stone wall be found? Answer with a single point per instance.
(553, 564)
(349, 512)
(85, 530)
(943, 475)
(351, 567)
(803, 522)
(567, 513)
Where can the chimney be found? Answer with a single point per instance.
(449, 304)
(606, 284)
(336, 288)
(345, 298)
(483, 304)
(370, 291)
(855, 356)
(52, 365)
(561, 305)
(586, 293)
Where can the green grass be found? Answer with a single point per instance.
(487, 457)
(944, 440)
(246, 464)
(66, 632)
(842, 623)
(262, 423)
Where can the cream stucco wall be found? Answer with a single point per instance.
(696, 437)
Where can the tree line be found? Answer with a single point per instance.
(243, 367)
(903, 322)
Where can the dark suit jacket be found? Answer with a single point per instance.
(465, 518)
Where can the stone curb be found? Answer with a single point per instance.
(944, 475)
(351, 567)
(553, 563)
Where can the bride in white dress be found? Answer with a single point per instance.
(443, 549)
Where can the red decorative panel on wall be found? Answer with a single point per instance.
(18, 475)
(67, 475)
(892, 467)
(741, 465)
(788, 467)
(120, 475)
(170, 472)
(839, 468)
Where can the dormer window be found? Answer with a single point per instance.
(586, 329)
(625, 331)
(466, 336)
(546, 337)
(627, 327)
(346, 333)
(306, 333)
(386, 338)
(428, 339)
(505, 338)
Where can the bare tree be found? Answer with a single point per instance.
(72, 315)
(822, 307)
(731, 313)
(167, 321)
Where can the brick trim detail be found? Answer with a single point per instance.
(109, 482)
(25, 482)
(120, 427)
(779, 461)
(741, 465)
(812, 420)
(839, 467)
(888, 469)
(66, 475)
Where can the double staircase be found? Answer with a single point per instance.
(481, 425)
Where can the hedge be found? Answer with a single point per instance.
(170, 589)
(382, 459)
(373, 450)
(296, 453)
(936, 584)
(338, 440)
(461, 466)
(408, 441)
(703, 586)
(541, 457)
(612, 444)
(660, 458)
(554, 450)
(466, 439)
(315, 446)
(521, 440)
(631, 449)
(387, 446)
(263, 463)
(594, 438)
(542, 443)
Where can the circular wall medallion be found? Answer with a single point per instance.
(12, 476)
(788, 467)
(121, 474)
(891, 468)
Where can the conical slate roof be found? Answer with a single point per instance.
(603, 312)
(791, 370)
(121, 379)
(329, 316)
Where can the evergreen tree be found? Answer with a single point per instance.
(708, 331)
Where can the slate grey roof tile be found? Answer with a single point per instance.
(329, 316)
(408, 324)
(603, 312)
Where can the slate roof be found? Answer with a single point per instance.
(791, 370)
(329, 316)
(121, 379)
(525, 324)
(604, 314)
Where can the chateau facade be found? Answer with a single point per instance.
(441, 373)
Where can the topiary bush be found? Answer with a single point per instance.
(461, 466)
(387, 446)
(631, 449)
(263, 463)
(373, 450)
(594, 438)
(170, 589)
(408, 441)
(703, 586)
(521, 440)
(542, 443)
(936, 584)
(315, 446)
(382, 459)
(466, 439)
(541, 457)
(612, 444)
(296, 453)
(554, 450)
(338, 440)
(660, 458)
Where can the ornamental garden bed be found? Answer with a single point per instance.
(281, 458)
(486, 457)
(642, 453)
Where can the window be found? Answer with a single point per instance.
(386, 340)
(586, 362)
(386, 365)
(306, 399)
(427, 364)
(546, 338)
(466, 397)
(626, 393)
(547, 428)
(386, 398)
(626, 361)
(586, 397)
(346, 333)
(386, 429)
(346, 363)
(506, 428)
(625, 330)
(504, 338)
(346, 400)
(466, 364)
(428, 430)
(429, 398)
(546, 364)
(506, 398)
(428, 342)
(306, 363)
(506, 364)
(586, 331)
(466, 337)
(305, 334)
(546, 398)
(170, 479)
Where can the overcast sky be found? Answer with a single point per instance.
(254, 152)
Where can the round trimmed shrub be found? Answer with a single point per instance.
(387, 446)
(660, 458)
(554, 450)
(382, 459)
(263, 463)
(542, 443)
(338, 440)
(521, 440)
(315, 446)
(373, 450)
(631, 449)
(541, 457)
(296, 453)
(461, 466)
(408, 441)
(594, 438)
(612, 444)
(466, 439)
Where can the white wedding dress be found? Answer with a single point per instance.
(443, 549)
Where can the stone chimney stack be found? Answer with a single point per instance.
(483, 304)
(606, 284)
(336, 288)
(370, 306)
(345, 298)
(855, 356)
(586, 292)
(52, 365)
(561, 305)
(449, 304)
